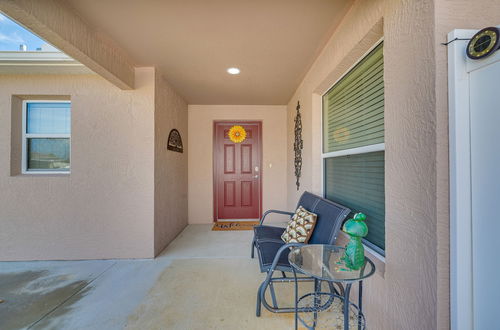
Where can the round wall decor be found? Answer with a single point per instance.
(484, 43)
(237, 134)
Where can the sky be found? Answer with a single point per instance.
(12, 35)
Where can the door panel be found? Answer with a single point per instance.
(229, 193)
(246, 193)
(246, 158)
(229, 159)
(237, 167)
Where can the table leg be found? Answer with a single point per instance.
(346, 306)
(296, 299)
(360, 302)
(317, 301)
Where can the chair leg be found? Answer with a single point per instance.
(259, 303)
(253, 248)
(273, 295)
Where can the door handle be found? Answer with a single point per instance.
(256, 176)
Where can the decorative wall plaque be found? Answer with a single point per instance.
(175, 141)
(298, 146)
(484, 43)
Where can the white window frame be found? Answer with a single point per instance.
(26, 136)
(352, 151)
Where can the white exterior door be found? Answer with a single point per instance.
(475, 189)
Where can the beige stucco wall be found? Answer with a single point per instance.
(360, 30)
(104, 208)
(201, 119)
(170, 168)
(126, 196)
(411, 290)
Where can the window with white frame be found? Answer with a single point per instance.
(353, 144)
(46, 140)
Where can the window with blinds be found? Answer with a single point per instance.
(46, 137)
(353, 113)
(353, 144)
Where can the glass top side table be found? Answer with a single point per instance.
(323, 263)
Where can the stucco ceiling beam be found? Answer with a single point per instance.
(59, 25)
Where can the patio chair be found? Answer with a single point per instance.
(273, 252)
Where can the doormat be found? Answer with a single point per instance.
(234, 225)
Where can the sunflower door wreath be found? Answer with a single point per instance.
(237, 134)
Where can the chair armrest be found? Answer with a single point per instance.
(282, 249)
(274, 211)
(279, 252)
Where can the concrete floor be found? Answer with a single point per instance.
(204, 279)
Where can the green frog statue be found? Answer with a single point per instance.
(356, 228)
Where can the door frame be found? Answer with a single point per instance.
(461, 248)
(460, 185)
(214, 167)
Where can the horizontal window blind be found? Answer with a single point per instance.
(353, 113)
(48, 118)
(357, 181)
(353, 117)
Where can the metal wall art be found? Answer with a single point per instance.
(175, 141)
(298, 146)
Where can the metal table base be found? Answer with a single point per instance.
(319, 307)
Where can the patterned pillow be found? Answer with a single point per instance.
(300, 227)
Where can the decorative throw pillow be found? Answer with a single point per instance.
(300, 227)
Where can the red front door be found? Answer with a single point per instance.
(237, 172)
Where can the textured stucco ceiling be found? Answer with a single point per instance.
(193, 42)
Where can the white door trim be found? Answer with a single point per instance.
(460, 183)
(461, 239)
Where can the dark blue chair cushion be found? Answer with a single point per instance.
(268, 232)
(267, 249)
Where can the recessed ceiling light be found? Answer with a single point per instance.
(233, 71)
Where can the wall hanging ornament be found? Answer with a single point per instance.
(237, 134)
(298, 145)
(175, 141)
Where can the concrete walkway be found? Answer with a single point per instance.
(115, 294)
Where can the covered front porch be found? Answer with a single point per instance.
(117, 157)
(204, 280)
